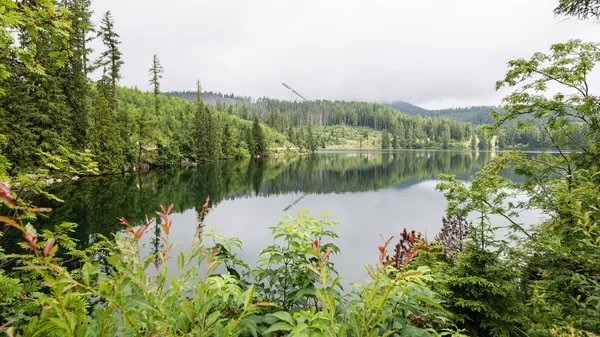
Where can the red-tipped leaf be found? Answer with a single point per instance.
(48, 246)
(7, 220)
(5, 195)
(39, 210)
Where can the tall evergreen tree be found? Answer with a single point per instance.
(230, 142)
(215, 134)
(290, 134)
(250, 142)
(156, 71)
(144, 131)
(111, 58)
(410, 136)
(385, 140)
(144, 120)
(34, 112)
(201, 123)
(401, 135)
(207, 130)
(75, 82)
(311, 143)
(446, 137)
(105, 143)
(260, 144)
(395, 144)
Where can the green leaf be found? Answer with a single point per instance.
(85, 270)
(279, 326)
(180, 262)
(248, 297)
(299, 329)
(212, 318)
(284, 316)
(60, 323)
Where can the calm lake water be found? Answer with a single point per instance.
(368, 193)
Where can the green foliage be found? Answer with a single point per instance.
(232, 147)
(110, 60)
(156, 71)
(30, 21)
(545, 280)
(582, 9)
(482, 284)
(283, 272)
(103, 140)
(51, 102)
(385, 140)
(280, 115)
(206, 126)
(258, 139)
(140, 296)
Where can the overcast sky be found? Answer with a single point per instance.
(433, 53)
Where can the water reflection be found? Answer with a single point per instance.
(366, 192)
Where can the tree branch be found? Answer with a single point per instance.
(509, 219)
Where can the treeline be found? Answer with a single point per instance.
(473, 114)
(211, 98)
(425, 129)
(533, 136)
(47, 99)
(411, 131)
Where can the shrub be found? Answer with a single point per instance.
(116, 288)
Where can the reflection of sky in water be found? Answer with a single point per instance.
(361, 216)
(368, 193)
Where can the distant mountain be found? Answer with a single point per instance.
(473, 114)
(407, 108)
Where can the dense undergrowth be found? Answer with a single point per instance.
(537, 279)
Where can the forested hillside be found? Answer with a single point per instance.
(292, 117)
(472, 114)
(406, 125)
(48, 101)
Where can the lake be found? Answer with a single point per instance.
(367, 192)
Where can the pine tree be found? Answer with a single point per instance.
(310, 138)
(75, 82)
(290, 134)
(385, 140)
(446, 136)
(230, 142)
(106, 144)
(401, 135)
(35, 115)
(202, 125)
(156, 71)
(410, 136)
(145, 129)
(260, 144)
(251, 143)
(111, 58)
(215, 136)
(483, 288)
(395, 138)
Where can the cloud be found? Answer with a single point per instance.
(427, 52)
